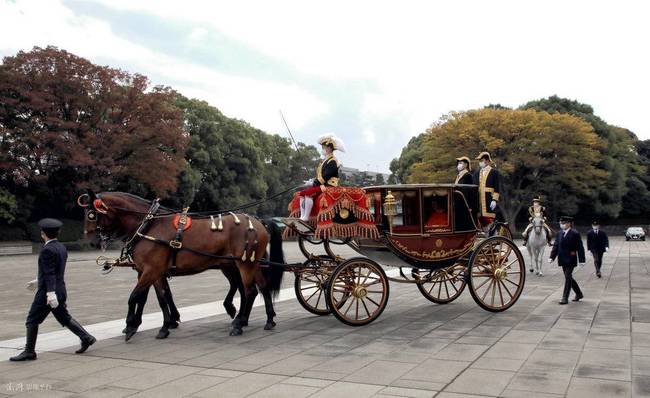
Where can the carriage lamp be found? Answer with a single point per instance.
(390, 209)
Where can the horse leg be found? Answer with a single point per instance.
(163, 333)
(175, 316)
(233, 278)
(137, 300)
(250, 299)
(247, 279)
(131, 309)
(268, 304)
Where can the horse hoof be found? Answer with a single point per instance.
(531, 270)
(236, 332)
(231, 310)
(129, 333)
(162, 334)
(269, 325)
(125, 330)
(540, 274)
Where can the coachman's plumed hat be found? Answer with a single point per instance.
(466, 160)
(333, 140)
(484, 155)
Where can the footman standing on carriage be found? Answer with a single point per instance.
(327, 174)
(488, 189)
(50, 292)
(597, 244)
(537, 210)
(464, 175)
(568, 250)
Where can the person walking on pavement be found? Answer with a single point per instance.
(597, 244)
(568, 250)
(50, 292)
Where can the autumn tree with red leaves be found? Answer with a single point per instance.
(67, 124)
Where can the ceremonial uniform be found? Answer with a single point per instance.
(597, 244)
(568, 250)
(464, 176)
(537, 210)
(327, 174)
(51, 294)
(488, 191)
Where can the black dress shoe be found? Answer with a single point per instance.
(578, 298)
(24, 356)
(563, 301)
(85, 344)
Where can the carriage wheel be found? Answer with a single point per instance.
(301, 245)
(444, 285)
(496, 274)
(358, 291)
(503, 230)
(327, 245)
(310, 283)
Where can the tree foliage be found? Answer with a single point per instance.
(554, 155)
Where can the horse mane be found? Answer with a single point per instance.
(138, 198)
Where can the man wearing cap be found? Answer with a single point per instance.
(537, 210)
(488, 189)
(327, 174)
(463, 167)
(597, 244)
(568, 250)
(50, 292)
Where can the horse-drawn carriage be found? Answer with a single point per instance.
(427, 234)
(430, 237)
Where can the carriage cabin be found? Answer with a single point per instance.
(426, 225)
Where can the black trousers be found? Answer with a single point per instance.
(569, 282)
(40, 310)
(598, 260)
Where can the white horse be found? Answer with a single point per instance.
(536, 244)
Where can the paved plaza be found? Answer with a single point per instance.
(599, 347)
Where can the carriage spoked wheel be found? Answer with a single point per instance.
(310, 283)
(496, 274)
(357, 291)
(444, 285)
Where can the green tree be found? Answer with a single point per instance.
(619, 159)
(555, 155)
(411, 154)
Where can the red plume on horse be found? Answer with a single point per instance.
(161, 242)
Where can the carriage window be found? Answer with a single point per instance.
(374, 205)
(435, 208)
(463, 218)
(408, 212)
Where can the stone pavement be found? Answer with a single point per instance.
(599, 347)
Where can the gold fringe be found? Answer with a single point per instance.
(346, 231)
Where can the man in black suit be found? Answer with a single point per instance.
(464, 175)
(50, 292)
(597, 244)
(568, 250)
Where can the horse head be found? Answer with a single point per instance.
(538, 224)
(103, 216)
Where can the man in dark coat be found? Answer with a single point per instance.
(597, 244)
(568, 250)
(464, 176)
(50, 292)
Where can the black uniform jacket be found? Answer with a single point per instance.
(597, 242)
(488, 190)
(568, 249)
(464, 177)
(51, 267)
(327, 172)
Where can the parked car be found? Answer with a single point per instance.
(635, 233)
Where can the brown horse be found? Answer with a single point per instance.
(239, 245)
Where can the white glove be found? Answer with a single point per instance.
(493, 205)
(607, 249)
(308, 183)
(550, 260)
(32, 285)
(52, 301)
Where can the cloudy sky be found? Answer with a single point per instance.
(375, 73)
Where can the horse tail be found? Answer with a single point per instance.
(274, 272)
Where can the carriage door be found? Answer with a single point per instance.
(407, 220)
